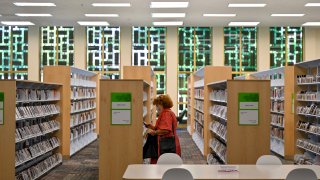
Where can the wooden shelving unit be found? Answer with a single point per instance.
(307, 136)
(282, 122)
(190, 115)
(231, 142)
(121, 145)
(146, 74)
(31, 133)
(80, 111)
(199, 102)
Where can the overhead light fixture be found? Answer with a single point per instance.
(312, 4)
(168, 15)
(17, 23)
(93, 23)
(311, 24)
(32, 15)
(169, 4)
(219, 15)
(111, 4)
(287, 15)
(244, 23)
(31, 4)
(102, 15)
(168, 23)
(246, 5)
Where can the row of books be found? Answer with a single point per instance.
(219, 129)
(145, 96)
(82, 105)
(306, 159)
(219, 110)
(277, 93)
(309, 145)
(81, 130)
(82, 141)
(219, 95)
(277, 119)
(77, 119)
(199, 128)
(211, 160)
(277, 133)
(80, 92)
(198, 105)
(36, 111)
(199, 117)
(307, 126)
(277, 106)
(36, 95)
(307, 79)
(311, 109)
(308, 96)
(199, 93)
(219, 148)
(80, 80)
(36, 150)
(41, 168)
(35, 130)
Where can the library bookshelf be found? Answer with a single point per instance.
(230, 142)
(200, 103)
(282, 106)
(121, 145)
(307, 132)
(190, 115)
(80, 106)
(31, 131)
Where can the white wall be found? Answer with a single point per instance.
(263, 48)
(312, 43)
(218, 46)
(34, 53)
(80, 47)
(125, 47)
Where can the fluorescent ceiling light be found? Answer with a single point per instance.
(33, 4)
(311, 24)
(111, 4)
(17, 23)
(169, 23)
(287, 15)
(169, 4)
(247, 5)
(168, 15)
(32, 15)
(102, 15)
(93, 23)
(312, 4)
(243, 23)
(219, 15)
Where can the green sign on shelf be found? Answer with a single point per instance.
(248, 106)
(121, 108)
(1, 108)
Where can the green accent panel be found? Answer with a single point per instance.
(249, 49)
(111, 48)
(120, 97)
(232, 47)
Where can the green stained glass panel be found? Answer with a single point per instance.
(161, 83)
(277, 47)
(186, 49)
(232, 47)
(249, 49)
(19, 49)
(5, 41)
(295, 44)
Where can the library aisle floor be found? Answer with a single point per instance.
(85, 164)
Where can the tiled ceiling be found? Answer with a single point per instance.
(68, 12)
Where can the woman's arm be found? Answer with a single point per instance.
(159, 132)
(150, 126)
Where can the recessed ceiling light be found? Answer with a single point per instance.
(111, 4)
(243, 23)
(311, 24)
(246, 5)
(168, 23)
(168, 15)
(219, 15)
(287, 15)
(169, 4)
(17, 23)
(32, 15)
(102, 15)
(312, 4)
(33, 4)
(93, 23)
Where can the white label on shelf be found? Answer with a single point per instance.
(121, 105)
(249, 117)
(121, 117)
(249, 105)
(1, 116)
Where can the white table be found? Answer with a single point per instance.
(205, 172)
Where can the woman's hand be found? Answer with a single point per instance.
(153, 132)
(149, 126)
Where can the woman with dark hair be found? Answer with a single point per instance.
(165, 128)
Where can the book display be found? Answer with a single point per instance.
(33, 117)
(226, 130)
(307, 125)
(80, 117)
(282, 107)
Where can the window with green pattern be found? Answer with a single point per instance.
(286, 46)
(103, 51)
(13, 52)
(149, 48)
(195, 47)
(240, 49)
